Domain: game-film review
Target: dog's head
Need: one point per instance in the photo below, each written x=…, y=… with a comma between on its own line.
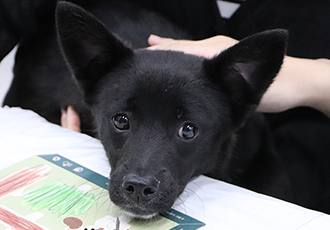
x=163, y=116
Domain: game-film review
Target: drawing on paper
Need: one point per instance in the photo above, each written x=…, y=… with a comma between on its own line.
x=51, y=192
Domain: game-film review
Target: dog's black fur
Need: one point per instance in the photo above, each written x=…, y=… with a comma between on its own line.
x=163, y=117
x=164, y=122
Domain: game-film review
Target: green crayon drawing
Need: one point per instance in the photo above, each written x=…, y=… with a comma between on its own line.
x=60, y=198
x=43, y=192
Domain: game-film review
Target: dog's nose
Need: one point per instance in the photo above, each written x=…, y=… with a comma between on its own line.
x=140, y=189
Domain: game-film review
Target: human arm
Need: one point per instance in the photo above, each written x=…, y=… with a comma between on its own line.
x=300, y=82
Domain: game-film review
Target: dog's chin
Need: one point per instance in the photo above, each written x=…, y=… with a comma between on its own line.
x=136, y=216
x=139, y=212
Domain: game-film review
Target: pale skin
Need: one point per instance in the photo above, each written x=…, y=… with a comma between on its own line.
x=70, y=119
x=300, y=82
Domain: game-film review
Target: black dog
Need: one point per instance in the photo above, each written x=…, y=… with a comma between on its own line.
x=163, y=117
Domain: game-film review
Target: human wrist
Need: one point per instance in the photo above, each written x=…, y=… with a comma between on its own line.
x=319, y=80
x=294, y=86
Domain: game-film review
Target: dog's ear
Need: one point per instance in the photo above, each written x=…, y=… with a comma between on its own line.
x=245, y=71
x=89, y=48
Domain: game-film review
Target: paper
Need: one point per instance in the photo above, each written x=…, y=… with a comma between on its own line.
x=52, y=192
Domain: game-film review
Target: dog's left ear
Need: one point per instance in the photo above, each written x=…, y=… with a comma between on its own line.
x=89, y=48
x=245, y=71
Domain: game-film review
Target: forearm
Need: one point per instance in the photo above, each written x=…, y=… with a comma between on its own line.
x=301, y=82
x=319, y=95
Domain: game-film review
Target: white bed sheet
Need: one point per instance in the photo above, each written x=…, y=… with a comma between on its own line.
x=220, y=205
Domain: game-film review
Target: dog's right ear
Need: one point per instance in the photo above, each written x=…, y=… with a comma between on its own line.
x=89, y=48
x=244, y=71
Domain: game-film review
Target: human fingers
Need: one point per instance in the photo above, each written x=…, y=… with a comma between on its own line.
x=73, y=120
x=206, y=48
x=156, y=40
x=64, y=117
x=70, y=119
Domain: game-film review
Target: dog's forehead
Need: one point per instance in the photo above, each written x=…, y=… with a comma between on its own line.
x=172, y=61
x=156, y=72
x=164, y=83
x=170, y=78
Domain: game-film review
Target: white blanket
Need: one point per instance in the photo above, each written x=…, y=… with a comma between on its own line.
x=220, y=205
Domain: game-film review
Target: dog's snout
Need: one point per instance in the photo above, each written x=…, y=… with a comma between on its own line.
x=140, y=189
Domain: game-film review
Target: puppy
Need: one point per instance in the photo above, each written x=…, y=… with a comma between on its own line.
x=165, y=117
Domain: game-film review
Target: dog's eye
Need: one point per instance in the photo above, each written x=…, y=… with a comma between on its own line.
x=188, y=131
x=121, y=121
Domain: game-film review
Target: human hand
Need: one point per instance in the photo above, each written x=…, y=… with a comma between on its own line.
x=207, y=48
x=70, y=119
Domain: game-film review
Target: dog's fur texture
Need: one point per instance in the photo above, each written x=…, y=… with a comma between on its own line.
x=163, y=117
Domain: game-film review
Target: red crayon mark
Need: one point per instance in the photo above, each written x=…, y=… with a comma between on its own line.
x=21, y=179
x=16, y=222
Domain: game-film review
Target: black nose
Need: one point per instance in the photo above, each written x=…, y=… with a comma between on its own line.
x=140, y=189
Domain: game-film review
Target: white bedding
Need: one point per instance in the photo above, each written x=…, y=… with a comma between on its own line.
x=220, y=205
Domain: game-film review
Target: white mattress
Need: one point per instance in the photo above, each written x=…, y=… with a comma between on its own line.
x=220, y=205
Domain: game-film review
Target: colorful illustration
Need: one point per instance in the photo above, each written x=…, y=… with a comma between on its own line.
x=50, y=192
